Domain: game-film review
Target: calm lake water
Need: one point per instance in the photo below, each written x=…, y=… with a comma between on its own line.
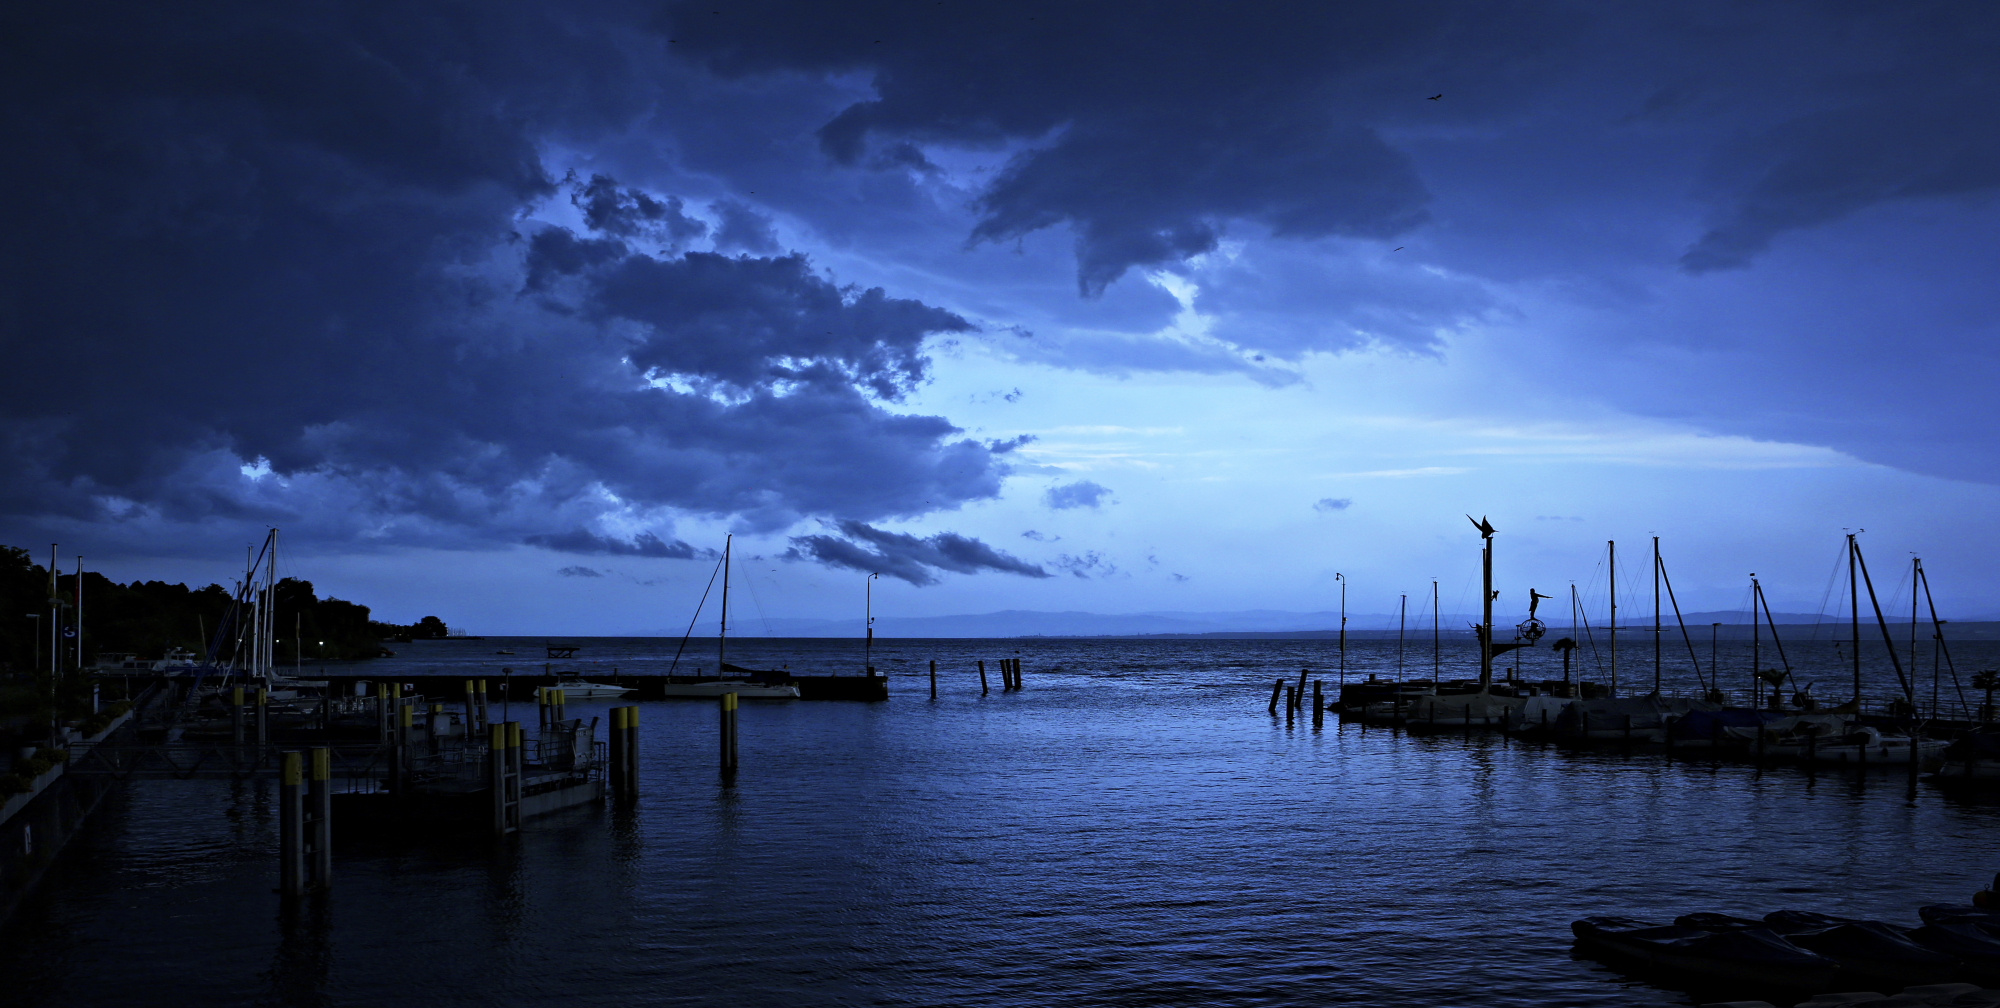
x=1132, y=829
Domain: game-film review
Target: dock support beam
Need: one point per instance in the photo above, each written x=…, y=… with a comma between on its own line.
x=319, y=820
x=504, y=772
x=728, y=733
x=291, y=825
x=624, y=769
x=982, y=676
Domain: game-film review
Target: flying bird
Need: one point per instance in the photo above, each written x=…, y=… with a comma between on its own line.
x=1399, y=248
x=1434, y=97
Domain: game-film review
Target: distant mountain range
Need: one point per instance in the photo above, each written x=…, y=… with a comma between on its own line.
x=1030, y=623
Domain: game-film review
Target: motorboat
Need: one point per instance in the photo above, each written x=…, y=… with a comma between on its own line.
x=578, y=689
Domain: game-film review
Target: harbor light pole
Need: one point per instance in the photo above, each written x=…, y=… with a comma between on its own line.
x=868, y=604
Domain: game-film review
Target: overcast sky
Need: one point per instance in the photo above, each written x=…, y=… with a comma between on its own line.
x=509, y=312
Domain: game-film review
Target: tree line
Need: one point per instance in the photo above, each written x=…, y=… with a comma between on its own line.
x=149, y=618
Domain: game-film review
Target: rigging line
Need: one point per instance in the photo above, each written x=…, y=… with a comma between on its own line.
x=1832, y=583
x=1895, y=660
x=1689, y=641
x=1584, y=615
x=697, y=615
x=1937, y=630
x=1775, y=642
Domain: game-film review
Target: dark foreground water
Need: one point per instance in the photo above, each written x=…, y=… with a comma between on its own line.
x=1133, y=829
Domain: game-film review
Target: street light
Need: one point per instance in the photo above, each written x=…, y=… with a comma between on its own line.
x=868, y=648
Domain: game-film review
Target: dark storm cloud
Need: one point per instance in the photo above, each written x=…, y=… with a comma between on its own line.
x=743, y=229
x=644, y=544
x=1080, y=494
x=913, y=559
x=297, y=239
x=1144, y=134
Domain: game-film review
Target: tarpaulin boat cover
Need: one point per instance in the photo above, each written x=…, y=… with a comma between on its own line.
x=1649, y=711
x=1461, y=705
x=1701, y=724
x=1800, y=725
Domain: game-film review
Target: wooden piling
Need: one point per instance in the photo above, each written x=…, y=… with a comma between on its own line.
x=728, y=734
x=263, y=715
x=236, y=714
x=982, y=676
x=632, y=751
x=1291, y=704
x=1018, y=684
x=1299, y=697
x=933, y=678
x=1319, y=703
x=485, y=715
x=499, y=768
x=382, y=712
x=1277, y=690
x=319, y=820
x=471, y=709
x=615, y=769
x=291, y=825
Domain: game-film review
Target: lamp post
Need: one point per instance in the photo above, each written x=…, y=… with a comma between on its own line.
x=868, y=607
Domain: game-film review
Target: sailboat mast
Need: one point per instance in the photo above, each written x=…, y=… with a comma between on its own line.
x=1854, y=612
x=1756, y=640
x=1402, y=621
x=1574, y=605
x=1611, y=552
x=1656, y=616
x=1342, y=578
x=1437, y=637
x=722, y=630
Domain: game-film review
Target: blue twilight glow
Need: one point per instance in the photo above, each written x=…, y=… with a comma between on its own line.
x=510, y=313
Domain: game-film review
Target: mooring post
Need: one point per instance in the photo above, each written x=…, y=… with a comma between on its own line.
x=933, y=678
x=1291, y=704
x=615, y=770
x=728, y=732
x=632, y=750
x=1018, y=683
x=471, y=709
x=1319, y=702
x=496, y=774
x=485, y=714
x=263, y=715
x=982, y=677
x=319, y=820
x=1277, y=690
x=291, y=825
x=236, y=714
x=382, y=712
x=560, y=711
x=1299, y=697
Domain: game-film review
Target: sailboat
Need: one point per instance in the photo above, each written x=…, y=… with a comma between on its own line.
x=747, y=684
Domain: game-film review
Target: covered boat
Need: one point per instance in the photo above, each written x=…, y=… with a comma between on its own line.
x=1626, y=719
x=1748, y=955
